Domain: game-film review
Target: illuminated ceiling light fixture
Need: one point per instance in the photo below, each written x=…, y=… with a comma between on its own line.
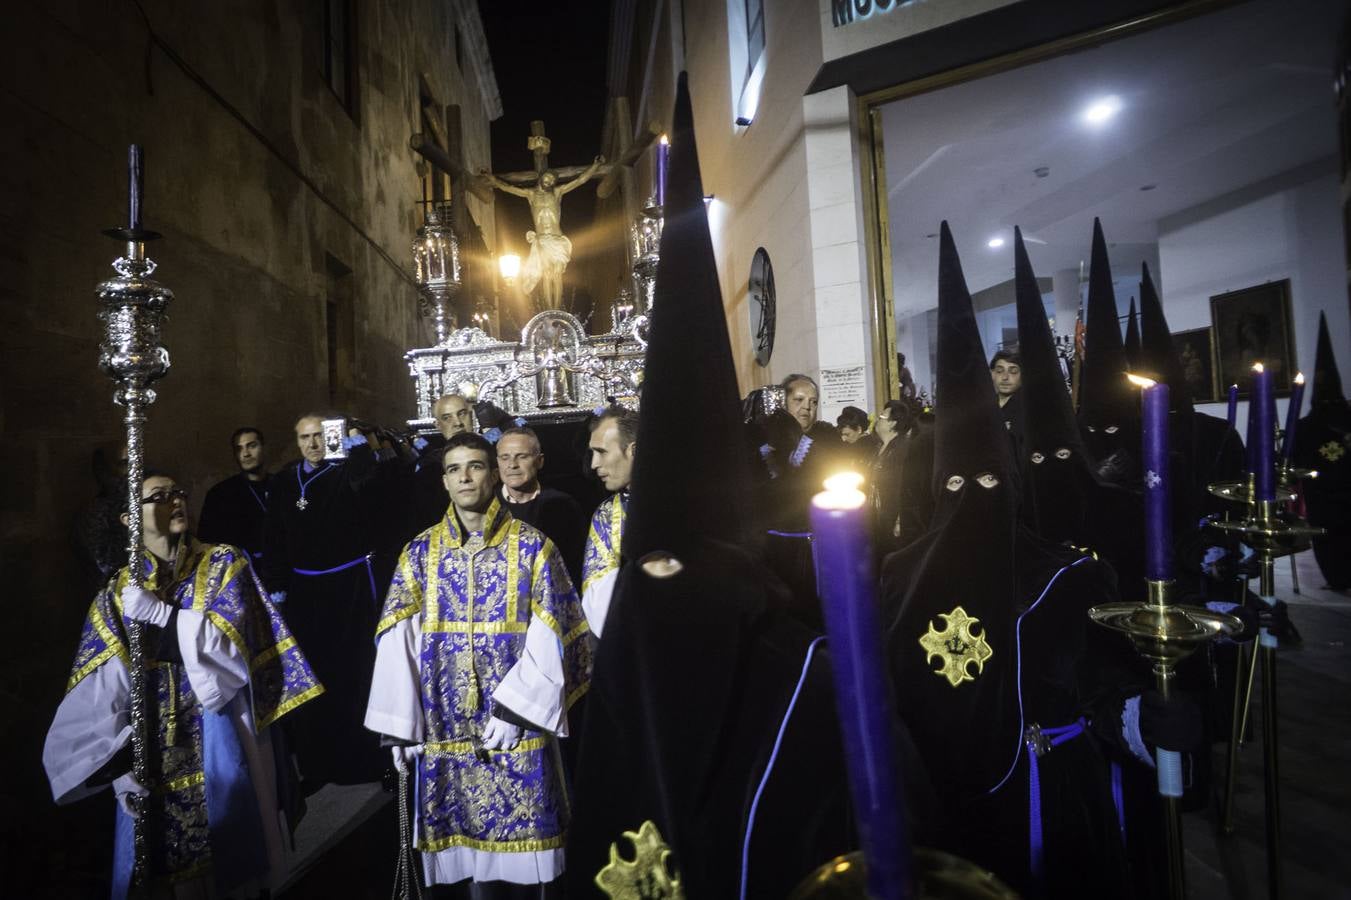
x=995, y=243
x=1100, y=111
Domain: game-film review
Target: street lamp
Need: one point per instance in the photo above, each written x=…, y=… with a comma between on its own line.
x=509, y=265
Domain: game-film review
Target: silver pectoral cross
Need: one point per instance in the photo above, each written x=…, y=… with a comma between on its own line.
x=302, y=503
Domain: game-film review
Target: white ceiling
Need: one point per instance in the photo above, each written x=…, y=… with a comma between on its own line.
x=1209, y=106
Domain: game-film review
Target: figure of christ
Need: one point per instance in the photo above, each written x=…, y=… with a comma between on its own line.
x=550, y=249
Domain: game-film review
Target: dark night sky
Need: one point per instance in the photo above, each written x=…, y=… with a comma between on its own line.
x=549, y=59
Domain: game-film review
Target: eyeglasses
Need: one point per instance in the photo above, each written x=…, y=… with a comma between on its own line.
x=165, y=496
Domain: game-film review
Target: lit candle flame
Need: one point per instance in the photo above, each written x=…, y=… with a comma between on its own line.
x=664, y=139
x=1299, y=378
x=842, y=492
x=1258, y=367
x=1140, y=381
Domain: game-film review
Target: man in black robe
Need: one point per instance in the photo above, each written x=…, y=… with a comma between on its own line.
x=1323, y=442
x=554, y=513
x=1013, y=697
x=1063, y=500
x=697, y=675
x=1109, y=406
x=235, y=510
x=318, y=565
x=1205, y=448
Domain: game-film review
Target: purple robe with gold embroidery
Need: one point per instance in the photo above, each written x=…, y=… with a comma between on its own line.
x=600, y=563
x=473, y=619
x=239, y=670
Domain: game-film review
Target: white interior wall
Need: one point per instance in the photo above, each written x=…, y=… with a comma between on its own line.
x=1289, y=227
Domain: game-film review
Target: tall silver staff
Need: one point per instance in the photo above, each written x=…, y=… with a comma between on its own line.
x=131, y=307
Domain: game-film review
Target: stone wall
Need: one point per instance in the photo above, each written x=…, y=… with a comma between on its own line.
x=278, y=207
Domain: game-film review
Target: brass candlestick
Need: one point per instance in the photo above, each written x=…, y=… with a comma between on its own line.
x=1165, y=633
x=1271, y=535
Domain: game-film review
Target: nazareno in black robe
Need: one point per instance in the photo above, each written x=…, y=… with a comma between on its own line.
x=332, y=615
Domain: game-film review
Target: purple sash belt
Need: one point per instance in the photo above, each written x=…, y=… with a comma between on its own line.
x=360, y=560
x=1041, y=741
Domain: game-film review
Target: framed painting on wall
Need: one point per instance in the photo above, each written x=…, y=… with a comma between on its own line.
x=1196, y=355
x=1253, y=325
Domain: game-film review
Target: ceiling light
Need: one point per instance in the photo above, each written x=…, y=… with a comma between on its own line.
x=1099, y=111
x=995, y=243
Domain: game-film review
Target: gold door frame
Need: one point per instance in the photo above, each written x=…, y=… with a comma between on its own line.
x=876, y=219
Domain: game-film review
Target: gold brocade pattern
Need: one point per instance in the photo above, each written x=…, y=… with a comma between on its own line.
x=476, y=595
x=1332, y=451
x=218, y=583
x=603, y=541
x=648, y=876
x=957, y=647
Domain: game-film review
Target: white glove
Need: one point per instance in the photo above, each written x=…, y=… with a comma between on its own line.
x=143, y=606
x=405, y=758
x=500, y=735
x=125, y=787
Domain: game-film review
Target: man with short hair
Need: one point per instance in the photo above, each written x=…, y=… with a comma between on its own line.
x=420, y=494
x=519, y=461
x=1006, y=371
x=453, y=415
x=894, y=422
x=235, y=509
x=481, y=652
x=220, y=669
x=318, y=562
x=614, y=441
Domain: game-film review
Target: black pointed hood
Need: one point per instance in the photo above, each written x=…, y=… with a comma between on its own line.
x=689, y=460
x=1056, y=470
x=1109, y=409
x=1132, y=338
x=1158, y=357
x=966, y=560
x=1327, y=381
x=695, y=666
x=969, y=437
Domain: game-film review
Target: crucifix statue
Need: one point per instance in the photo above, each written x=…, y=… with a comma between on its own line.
x=550, y=249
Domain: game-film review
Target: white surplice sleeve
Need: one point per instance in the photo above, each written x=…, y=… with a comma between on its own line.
x=596, y=601
x=92, y=723
x=395, y=704
x=534, y=688
x=216, y=668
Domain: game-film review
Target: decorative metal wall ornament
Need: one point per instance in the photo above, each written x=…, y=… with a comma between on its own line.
x=436, y=268
x=132, y=307
x=763, y=307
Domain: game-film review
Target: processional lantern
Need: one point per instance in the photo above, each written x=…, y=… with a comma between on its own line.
x=436, y=268
x=132, y=308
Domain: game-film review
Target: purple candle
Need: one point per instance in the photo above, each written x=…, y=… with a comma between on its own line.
x=1232, y=414
x=1157, y=484
x=663, y=163
x=136, y=172
x=839, y=518
x=1262, y=414
x=1292, y=418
